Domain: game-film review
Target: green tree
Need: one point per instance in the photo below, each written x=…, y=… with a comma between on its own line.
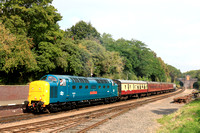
x=36, y=19
x=82, y=30
x=16, y=57
x=174, y=73
x=139, y=60
x=102, y=61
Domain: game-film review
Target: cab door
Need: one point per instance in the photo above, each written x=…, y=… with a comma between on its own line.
x=63, y=90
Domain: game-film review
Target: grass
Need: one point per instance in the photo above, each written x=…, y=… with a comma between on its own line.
x=185, y=120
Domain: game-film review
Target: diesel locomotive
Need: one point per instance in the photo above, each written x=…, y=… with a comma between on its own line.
x=58, y=92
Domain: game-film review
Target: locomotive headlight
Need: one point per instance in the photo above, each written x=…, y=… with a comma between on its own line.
x=32, y=88
x=39, y=88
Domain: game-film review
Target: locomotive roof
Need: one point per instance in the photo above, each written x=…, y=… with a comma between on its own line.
x=79, y=79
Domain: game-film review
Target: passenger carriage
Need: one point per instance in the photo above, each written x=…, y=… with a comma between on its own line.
x=131, y=88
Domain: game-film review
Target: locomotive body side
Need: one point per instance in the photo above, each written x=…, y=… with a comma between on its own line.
x=91, y=89
x=61, y=91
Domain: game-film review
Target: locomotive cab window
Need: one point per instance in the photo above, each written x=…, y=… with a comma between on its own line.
x=62, y=82
x=44, y=78
x=51, y=78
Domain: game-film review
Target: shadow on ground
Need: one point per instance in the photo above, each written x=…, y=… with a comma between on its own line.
x=164, y=111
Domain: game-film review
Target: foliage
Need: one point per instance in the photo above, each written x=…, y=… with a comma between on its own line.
x=139, y=60
x=185, y=120
x=31, y=45
x=102, y=61
x=174, y=73
x=82, y=30
x=15, y=55
x=34, y=18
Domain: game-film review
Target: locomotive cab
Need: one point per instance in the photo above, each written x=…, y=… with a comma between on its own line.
x=38, y=96
x=49, y=89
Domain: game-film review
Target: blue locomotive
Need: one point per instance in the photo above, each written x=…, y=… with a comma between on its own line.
x=53, y=92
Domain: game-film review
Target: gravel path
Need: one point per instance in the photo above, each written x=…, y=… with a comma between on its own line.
x=142, y=119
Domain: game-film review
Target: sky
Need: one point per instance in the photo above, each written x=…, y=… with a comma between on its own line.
x=170, y=28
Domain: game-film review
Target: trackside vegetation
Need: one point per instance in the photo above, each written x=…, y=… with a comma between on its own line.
x=185, y=120
x=32, y=45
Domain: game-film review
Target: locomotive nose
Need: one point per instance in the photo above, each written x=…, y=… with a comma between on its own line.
x=38, y=95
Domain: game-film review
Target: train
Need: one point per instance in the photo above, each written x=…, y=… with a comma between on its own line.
x=59, y=92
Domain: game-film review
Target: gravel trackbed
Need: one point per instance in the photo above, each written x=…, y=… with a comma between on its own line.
x=142, y=119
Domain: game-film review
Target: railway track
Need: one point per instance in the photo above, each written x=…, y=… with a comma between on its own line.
x=84, y=121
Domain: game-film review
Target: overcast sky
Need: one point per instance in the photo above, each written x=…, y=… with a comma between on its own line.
x=171, y=28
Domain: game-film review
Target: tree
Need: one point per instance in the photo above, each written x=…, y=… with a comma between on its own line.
x=101, y=61
x=36, y=19
x=82, y=30
x=16, y=57
x=174, y=73
x=139, y=60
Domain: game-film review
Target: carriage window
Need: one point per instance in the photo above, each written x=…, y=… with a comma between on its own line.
x=86, y=87
x=99, y=87
x=104, y=87
x=73, y=87
x=80, y=87
x=108, y=86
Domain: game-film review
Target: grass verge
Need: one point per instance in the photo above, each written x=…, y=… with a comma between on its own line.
x=185, y=120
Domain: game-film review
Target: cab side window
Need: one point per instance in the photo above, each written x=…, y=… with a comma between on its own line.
x=62, y=82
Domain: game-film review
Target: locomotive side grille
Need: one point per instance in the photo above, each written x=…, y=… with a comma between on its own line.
x=53, y=92
x=79, y=80
x=103, y=81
